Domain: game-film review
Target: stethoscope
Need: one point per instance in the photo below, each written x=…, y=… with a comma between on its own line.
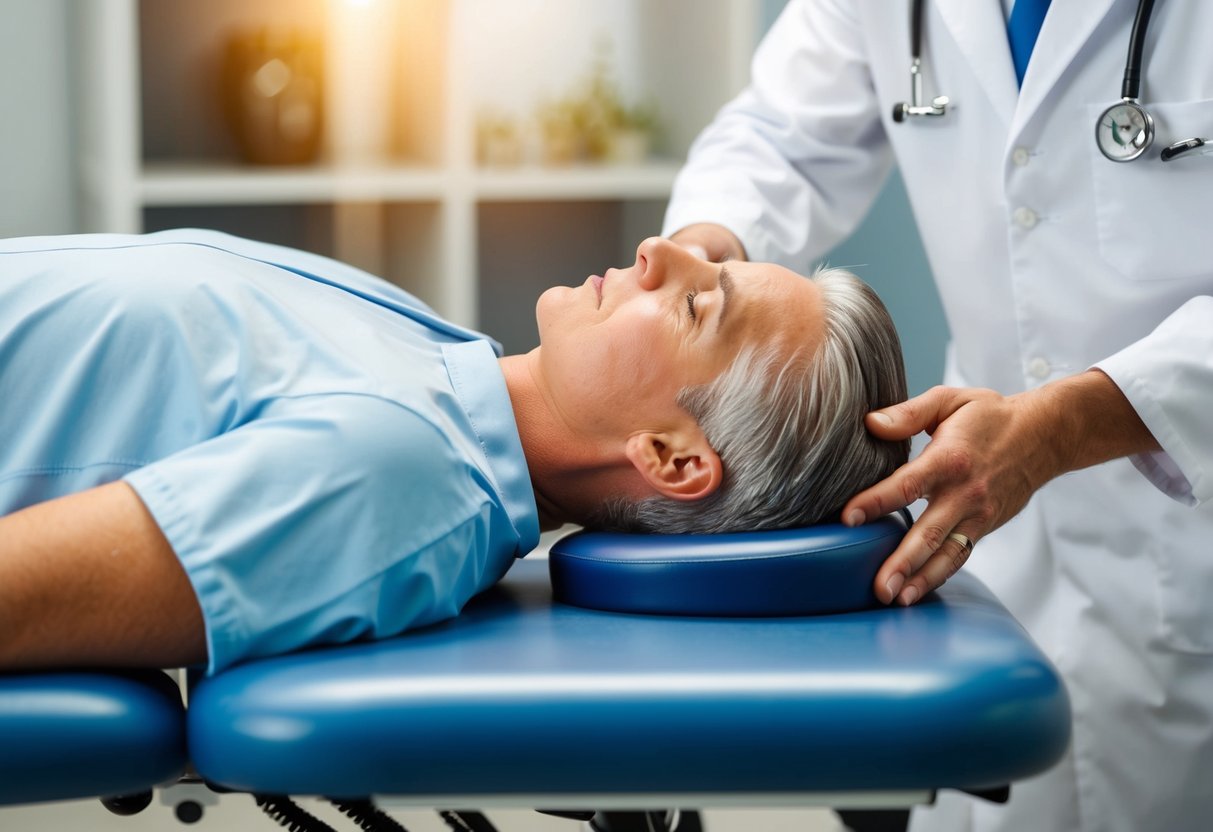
x=1123, y=131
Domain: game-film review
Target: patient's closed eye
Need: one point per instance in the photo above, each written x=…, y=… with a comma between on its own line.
x=691, y=304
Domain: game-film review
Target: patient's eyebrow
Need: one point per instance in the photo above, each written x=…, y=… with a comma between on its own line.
x=726, y=288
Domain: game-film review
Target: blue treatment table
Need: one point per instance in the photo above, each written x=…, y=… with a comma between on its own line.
x=73, y=735
x=523, y=701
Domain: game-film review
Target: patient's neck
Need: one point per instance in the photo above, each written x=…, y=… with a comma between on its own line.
x=570, y=476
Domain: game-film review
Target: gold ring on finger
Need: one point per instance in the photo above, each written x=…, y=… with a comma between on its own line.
x=965, y=542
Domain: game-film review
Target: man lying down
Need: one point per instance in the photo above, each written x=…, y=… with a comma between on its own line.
x=213, y=449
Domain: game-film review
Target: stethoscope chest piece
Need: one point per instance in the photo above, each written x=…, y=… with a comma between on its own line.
x=1124, y=131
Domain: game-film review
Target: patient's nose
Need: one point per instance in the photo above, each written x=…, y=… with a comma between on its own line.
x=658, y=260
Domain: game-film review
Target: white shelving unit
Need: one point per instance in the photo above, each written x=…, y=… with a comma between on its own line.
x=478, y=243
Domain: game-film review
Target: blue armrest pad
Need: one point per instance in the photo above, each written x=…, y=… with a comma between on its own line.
x=73, y=735
x=806, y=571
x=521, y=697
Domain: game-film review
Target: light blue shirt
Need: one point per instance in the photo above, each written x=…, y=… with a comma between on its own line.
x=329, y=459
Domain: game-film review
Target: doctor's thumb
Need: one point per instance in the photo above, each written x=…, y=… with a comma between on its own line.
x=905, y=419
x=884, y=424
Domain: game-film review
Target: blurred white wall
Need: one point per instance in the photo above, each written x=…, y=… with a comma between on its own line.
x=37, y=192
x=36, y=184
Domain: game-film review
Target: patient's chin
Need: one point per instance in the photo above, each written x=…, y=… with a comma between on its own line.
x=549, y=306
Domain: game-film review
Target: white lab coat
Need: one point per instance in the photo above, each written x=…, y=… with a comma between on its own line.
x=1049, y=260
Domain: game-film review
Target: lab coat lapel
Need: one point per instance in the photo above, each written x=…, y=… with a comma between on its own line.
x=980, y=31
x=1066, y=29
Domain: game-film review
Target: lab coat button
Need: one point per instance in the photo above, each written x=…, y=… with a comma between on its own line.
x=1024, y=217
x=1020, y=156
x=1038, y=368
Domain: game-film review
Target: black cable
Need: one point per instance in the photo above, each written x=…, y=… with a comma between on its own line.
x=648, y=821
x=368, y=816
x=285, y=812
x=1137, y=46
x=467, y=821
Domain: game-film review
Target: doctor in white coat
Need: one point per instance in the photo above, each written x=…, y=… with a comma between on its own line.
x=1078, y=288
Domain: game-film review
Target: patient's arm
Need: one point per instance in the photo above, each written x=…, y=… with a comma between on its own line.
x=89, y=579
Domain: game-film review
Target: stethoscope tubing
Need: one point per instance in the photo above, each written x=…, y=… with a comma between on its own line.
x=916, y=29
x=1131, y=88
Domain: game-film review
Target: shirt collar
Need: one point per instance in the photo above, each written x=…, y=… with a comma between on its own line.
x=480, y=387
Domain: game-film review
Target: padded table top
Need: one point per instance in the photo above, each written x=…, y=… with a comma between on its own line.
x=523, y=696
x=88, y=734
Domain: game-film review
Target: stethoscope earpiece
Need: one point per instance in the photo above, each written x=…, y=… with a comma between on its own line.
x=1174, y=151
x=937, y=107
x=915, y=107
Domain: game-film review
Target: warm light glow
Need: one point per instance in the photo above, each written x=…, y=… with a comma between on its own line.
x=360, y=62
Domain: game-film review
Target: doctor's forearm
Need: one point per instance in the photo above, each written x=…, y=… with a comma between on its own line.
x=1086, y=420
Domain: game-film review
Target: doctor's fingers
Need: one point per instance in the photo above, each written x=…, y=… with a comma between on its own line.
x=954, y=460
x=968, y=495
x=936, y=545
x=709, y=241
x=933, y=550
x=924, y=412
x=941, y=469
x=959, y=502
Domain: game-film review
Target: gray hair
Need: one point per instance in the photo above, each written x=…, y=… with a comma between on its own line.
x=790, y=430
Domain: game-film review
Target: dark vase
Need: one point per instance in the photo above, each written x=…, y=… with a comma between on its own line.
x=273, y=94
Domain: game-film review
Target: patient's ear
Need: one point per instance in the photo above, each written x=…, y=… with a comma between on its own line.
x=678, y=466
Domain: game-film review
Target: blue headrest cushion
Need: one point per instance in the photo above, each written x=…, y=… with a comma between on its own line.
x=818, y=569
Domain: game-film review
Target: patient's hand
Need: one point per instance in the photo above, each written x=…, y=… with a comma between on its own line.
x=988, y=454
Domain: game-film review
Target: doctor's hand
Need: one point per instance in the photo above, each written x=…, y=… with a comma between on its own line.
x=710, y=241
x=988, y=454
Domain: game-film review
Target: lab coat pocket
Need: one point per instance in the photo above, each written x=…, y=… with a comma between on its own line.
x=1150, y=213
x=1184, y=580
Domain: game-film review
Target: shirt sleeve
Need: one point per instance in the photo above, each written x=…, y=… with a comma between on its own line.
x=1168, y=378
x=327, y=519
x=792, y=165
